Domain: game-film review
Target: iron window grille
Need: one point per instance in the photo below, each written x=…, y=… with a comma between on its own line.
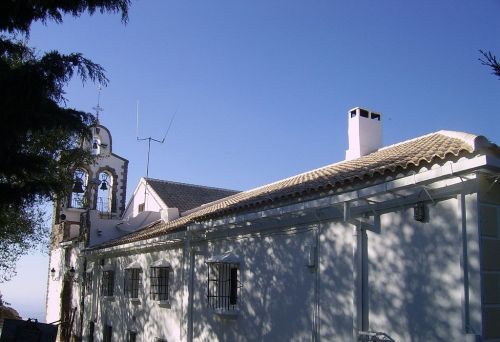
x=91, y=331
x=88, y=282
x=132, y=336
x=159, y=283
x=107, y=333
x=133, y=282
x=223, y=286
x=108, y=283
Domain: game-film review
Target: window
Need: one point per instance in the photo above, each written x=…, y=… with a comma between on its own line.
x=159, y=283
x=108, y=283
x=140, y=207
x=88, y=282
x=96, y=146
x=132, y=282
x=67, y=257
x=223, y=285
x=107, y=333
x=105, y=192
x=132, y=336
x=78, y=193
x=91, y=331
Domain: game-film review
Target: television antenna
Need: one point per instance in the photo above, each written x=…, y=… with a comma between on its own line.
x=150, y=139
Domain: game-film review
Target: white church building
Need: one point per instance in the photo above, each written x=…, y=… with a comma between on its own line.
x=395, y=243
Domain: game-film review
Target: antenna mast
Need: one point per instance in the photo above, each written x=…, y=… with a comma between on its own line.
x=149, y=139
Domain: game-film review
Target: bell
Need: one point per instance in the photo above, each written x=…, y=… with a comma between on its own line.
x=104, y=186
x=78, y=187
x=94, y=145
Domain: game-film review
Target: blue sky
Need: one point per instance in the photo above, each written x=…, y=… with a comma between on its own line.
x=262, y=88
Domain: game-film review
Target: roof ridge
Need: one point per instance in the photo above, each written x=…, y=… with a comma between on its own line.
x=468, y=138
x=416, y=151
x=189, y=184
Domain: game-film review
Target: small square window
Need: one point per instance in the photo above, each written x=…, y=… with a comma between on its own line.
x=223, y=285
x=108, y=283
x=133, y=281
x=159, y=283
x=140, y=207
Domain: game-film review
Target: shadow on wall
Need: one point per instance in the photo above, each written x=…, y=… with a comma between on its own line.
x=141, y=315
x=276, y=300
x=415, y=280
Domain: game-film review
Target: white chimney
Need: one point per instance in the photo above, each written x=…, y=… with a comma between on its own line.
x=365, y=132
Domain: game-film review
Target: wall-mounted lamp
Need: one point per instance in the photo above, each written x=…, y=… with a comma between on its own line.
x=311, y=256
x=419, y=212
x=53, y=274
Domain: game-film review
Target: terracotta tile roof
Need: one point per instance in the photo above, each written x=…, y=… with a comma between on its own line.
x=186, y=196
x=409, y=154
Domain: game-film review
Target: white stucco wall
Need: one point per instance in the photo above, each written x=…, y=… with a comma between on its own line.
x=277, y=294
x=153, y=202
x=414, y=275
x=146, y=317
x=336, y=281
x=414, y=289
x=54, y=286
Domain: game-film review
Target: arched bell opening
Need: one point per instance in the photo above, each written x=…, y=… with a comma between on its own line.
x=105, y=192
x=79, y=190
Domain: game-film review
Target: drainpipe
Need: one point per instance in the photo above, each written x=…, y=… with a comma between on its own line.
x=317, y=257
x=360, y=277
x=82, y=296
x=190, y=255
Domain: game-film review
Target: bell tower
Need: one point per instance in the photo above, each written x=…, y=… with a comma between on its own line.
x=87, y=216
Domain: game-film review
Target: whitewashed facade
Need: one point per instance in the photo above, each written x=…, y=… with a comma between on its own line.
x=88, y=206
x=406, y=249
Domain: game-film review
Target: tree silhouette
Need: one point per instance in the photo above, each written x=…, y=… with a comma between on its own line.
x=490, y=60
x=40, y=135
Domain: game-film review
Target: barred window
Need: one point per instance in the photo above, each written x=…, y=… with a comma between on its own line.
x=107, y=333
x=108, y=283
x=91, y=331
x=133, y=281
x=223, y=285
x=88, y=282
x=159, y=283
x=132, y=336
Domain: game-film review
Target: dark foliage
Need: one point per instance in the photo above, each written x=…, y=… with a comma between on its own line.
x=18, y=15
x=41, y=137
x=490, y=60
